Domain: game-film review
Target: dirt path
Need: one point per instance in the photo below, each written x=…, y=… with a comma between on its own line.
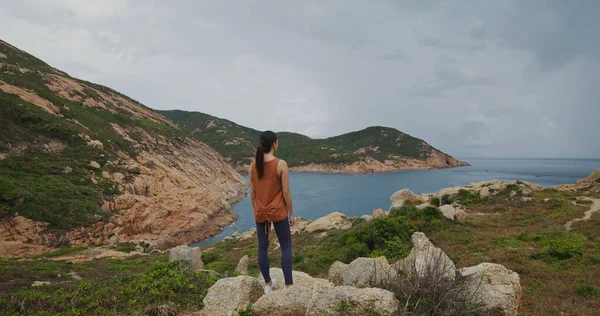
x=595, y=207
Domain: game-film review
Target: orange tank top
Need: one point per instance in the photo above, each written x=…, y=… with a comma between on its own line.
x=269, y=204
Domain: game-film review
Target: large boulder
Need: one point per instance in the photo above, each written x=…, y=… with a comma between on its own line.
x=494, y=288
x=230, y=295
x=485, y=192
x=300, y=279
x=399, y=198
x=426, y=260
x=448, y=193
x=335, y=220
x=362, y=272
x=291, y=301
x=299, y=226
x=448, y=211
x=378, y=213
x=189, y=255
x=345, y=300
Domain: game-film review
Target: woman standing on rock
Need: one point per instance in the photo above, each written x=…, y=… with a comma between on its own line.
x=271, y=202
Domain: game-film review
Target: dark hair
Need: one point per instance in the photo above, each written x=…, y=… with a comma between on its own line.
x=266, y=141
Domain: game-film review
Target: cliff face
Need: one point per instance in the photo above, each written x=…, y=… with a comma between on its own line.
x=80, y=162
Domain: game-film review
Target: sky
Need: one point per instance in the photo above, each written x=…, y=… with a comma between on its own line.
x=505, y=78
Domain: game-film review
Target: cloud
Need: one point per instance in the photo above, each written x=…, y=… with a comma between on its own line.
x=495, y=78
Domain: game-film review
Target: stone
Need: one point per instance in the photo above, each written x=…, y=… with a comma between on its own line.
x=95, y=165
x=362, y=272
x=75, y=276
x=242, y=266
x=527, y=199
x=399, y=198
x=546, y=200
x=450, y=193
x=496, y=289
x=40, y=283
x=335, y=220
x=105, y=175
x=426, y=260
x=485, y=192
x=228, y=238
x=367, y=218
x=345, y=300
x=513, y=193
x=3, y=56
x=68, y=170
x=286, y=302
x=190, y=255
x=299, y=226
x=139, y=248
x=113, y=240
x=95, y=144
x=94, y=181
x=300, y=279
x=230, y=295
x=423, y=206
x=448, y=211
x=118, y=177
x=378, y=213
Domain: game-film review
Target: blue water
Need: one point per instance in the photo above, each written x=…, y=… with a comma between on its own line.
x=315, y=195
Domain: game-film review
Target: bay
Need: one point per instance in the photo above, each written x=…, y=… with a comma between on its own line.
x=315, y=195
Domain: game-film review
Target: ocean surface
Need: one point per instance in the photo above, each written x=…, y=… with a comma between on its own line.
x=315, y=195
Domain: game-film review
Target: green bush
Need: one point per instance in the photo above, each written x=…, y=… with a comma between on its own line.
x=587, y=291
x=557, y=245
x=220, y=266
x=435, y=201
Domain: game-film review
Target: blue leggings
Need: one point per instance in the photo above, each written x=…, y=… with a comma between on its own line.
x=285, y=241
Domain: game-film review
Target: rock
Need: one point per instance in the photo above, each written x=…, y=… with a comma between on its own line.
x=485, y=192
x=378, y=213
x=95, y=144
x=118, y=177
x=105, y=175
x=362, y=272
x=94, y=181
x=367, y=218
x=527, y=199
x=345, y=300
x=423, y=206
x=400, y=197
x=426, y=260
x=496, y=288
x=450, y=193
x=546, y=200
x=301, y=279
x=287, y=302
x=68, y=170
x=113, y=240
x=299, y=226
x=40, y=283
x=513, y=193
x=248, y=235
x=75, y=276
x=448, y=211
x=140, y=249
x=190, y=255
x=3, y=56
x=230, y=295
x=228, y=238
x=335, y=220
x=95, y=165
x=425, y=197
x=242, y=266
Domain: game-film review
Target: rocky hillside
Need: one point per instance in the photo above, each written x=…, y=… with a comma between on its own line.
x=374, y=149
x=81, y=163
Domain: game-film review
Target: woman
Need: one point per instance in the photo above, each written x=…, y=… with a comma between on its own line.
x=272, y=202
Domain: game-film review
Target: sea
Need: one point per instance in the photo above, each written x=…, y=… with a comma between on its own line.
x=315, y=195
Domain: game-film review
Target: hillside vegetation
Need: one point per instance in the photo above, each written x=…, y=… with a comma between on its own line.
x=387, y=146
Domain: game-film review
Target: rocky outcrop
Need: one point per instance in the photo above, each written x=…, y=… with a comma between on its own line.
x=345, y=300
x=362, y=272
x=425, y=259
x=290, y=301
x=335, y=220
x=229, y=296
x=399, y=198
x=494, y=288
x=192, y=256
x=301, y=279
x=590, y=184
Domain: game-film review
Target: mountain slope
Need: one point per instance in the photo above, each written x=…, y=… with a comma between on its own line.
x=80, y=163
x=374, y=149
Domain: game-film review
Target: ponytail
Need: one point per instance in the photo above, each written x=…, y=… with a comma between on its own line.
x=259, y=161
x=266, y=141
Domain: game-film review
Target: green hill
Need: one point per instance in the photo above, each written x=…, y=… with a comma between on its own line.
x=389, y=147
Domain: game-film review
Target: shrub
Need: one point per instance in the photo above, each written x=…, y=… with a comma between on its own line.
x=435, y=201
x=587, y=291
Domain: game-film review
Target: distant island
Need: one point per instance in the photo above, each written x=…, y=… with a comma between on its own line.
x=374, y=149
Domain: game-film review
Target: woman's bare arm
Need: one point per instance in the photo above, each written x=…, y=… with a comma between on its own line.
x=287, y=194
x=252, y=193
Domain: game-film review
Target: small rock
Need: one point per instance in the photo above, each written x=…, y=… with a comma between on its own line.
x=513, y=193
x=230, y=295
x=191, y=255
x=448, y=211
x=40, y=283
x=94, y=181
x=68, y=170
x=527, y=199
x=242, y=266
x=118, y=177
x=423, y=206
x=546, y=200
x=400, y=197
x=105, y=175
x=228, y=238
x=75, y=276
x=95, y=165
x=485, y=192
x=335, y=220
x=378, y=213
x=113, y=240
x=139, y=249
x=367, y=218
x=426, y=260
x=3, y=56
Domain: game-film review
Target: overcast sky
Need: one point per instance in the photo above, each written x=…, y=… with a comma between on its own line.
x=473, y=78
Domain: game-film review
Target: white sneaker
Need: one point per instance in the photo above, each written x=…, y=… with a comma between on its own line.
x=270, y=288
